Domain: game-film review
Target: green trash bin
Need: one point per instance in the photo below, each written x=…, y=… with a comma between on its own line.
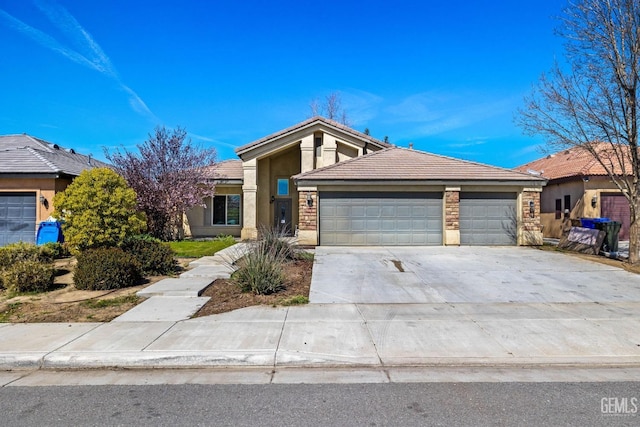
x=612, y=228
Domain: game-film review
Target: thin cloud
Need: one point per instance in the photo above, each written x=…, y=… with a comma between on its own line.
x=433, y=113
x=92, y=56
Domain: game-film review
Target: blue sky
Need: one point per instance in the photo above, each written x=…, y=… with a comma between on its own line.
x=447, y=76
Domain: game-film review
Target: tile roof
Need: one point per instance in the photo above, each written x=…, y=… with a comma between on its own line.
x=308, y=123
x=27, y=154
x=226, y=170
x=402, y=164
x=575, y=162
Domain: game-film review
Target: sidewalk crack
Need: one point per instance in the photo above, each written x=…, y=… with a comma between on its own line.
x=275, y=354
x=375, y=347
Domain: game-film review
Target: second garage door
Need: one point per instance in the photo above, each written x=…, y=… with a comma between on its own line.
x=616, y=208
x=379, y=218
x=17, y=217
x=488, y=218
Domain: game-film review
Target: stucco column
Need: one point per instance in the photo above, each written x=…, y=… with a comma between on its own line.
x=307, y=153
x=452, y=216
x=329, y=148
x=250, y=200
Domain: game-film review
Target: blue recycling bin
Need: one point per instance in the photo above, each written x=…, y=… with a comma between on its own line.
x=49, y=232
x=592, y=222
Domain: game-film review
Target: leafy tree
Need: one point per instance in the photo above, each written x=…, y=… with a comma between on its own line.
x=97, y=209
x=591, y=99
x=169, y=175
x=331, y=108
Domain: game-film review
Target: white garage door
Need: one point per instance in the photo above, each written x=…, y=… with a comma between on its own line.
x=17, y=217
x=488, y=218
x=380, y=218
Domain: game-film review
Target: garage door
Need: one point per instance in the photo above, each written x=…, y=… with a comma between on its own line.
x=379, y=218
x=488, y=218
x=17, y=217
x=616, y=208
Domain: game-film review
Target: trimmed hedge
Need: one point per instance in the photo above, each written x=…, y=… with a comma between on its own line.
x=156, y=258
x=21, y=251
x=106, y=268
x=15, y=261
x=28, y=276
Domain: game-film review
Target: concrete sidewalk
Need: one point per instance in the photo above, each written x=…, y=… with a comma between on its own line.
x=354, y=335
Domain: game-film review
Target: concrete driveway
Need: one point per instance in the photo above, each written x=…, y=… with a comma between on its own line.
x=464, y=275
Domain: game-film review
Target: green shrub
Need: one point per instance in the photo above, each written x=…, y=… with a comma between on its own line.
x=106, y=268
x=28, y=276
x=260, y=270
x=21, y=251
x=55, y=250
x=98, y=209
x=155, y=257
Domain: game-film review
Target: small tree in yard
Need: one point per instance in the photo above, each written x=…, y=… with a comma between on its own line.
x=592, y=102
x=97, y=209
x=169, y=177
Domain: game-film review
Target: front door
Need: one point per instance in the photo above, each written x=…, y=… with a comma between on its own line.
x=282, y=216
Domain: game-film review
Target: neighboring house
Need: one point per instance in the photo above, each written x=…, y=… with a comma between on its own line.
x=578, y=187
x=332, y=185
x=32, y=171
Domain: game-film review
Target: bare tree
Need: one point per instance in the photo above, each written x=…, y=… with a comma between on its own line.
x=169, y=177
x=331, y=108
x=591, y=100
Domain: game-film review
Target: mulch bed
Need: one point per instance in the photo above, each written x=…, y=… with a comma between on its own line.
x=227, y=296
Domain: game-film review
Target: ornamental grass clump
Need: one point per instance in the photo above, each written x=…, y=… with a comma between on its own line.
x=261, y=270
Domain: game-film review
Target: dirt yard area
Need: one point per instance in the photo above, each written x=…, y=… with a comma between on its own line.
x=67, y=304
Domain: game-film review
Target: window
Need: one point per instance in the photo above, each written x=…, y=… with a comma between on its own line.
x=567, y=202
x=226, y=209
x=558, y=208
x=317, y=143
x=283, y=187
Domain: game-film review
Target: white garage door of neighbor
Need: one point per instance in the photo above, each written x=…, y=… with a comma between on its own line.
x=380, y=218
x=488, y=218
x=17, y=217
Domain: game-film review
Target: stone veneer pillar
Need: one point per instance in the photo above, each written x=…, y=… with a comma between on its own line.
x=530, y=230
x=452, y=216
x=307, y=218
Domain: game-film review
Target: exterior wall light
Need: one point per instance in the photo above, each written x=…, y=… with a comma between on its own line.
x=594, y=201
x=43, y=200
x=309, y=199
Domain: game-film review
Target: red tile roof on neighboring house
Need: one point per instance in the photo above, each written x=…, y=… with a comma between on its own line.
x=401, y=164
x=307, y=123
x=576, y=162
x=227, y=170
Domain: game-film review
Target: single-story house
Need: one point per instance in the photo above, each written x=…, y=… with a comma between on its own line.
x=332, y=185
x=578, y=187
x=32, y=171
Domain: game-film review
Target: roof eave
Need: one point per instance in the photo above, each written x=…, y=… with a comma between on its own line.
x=431, y=182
